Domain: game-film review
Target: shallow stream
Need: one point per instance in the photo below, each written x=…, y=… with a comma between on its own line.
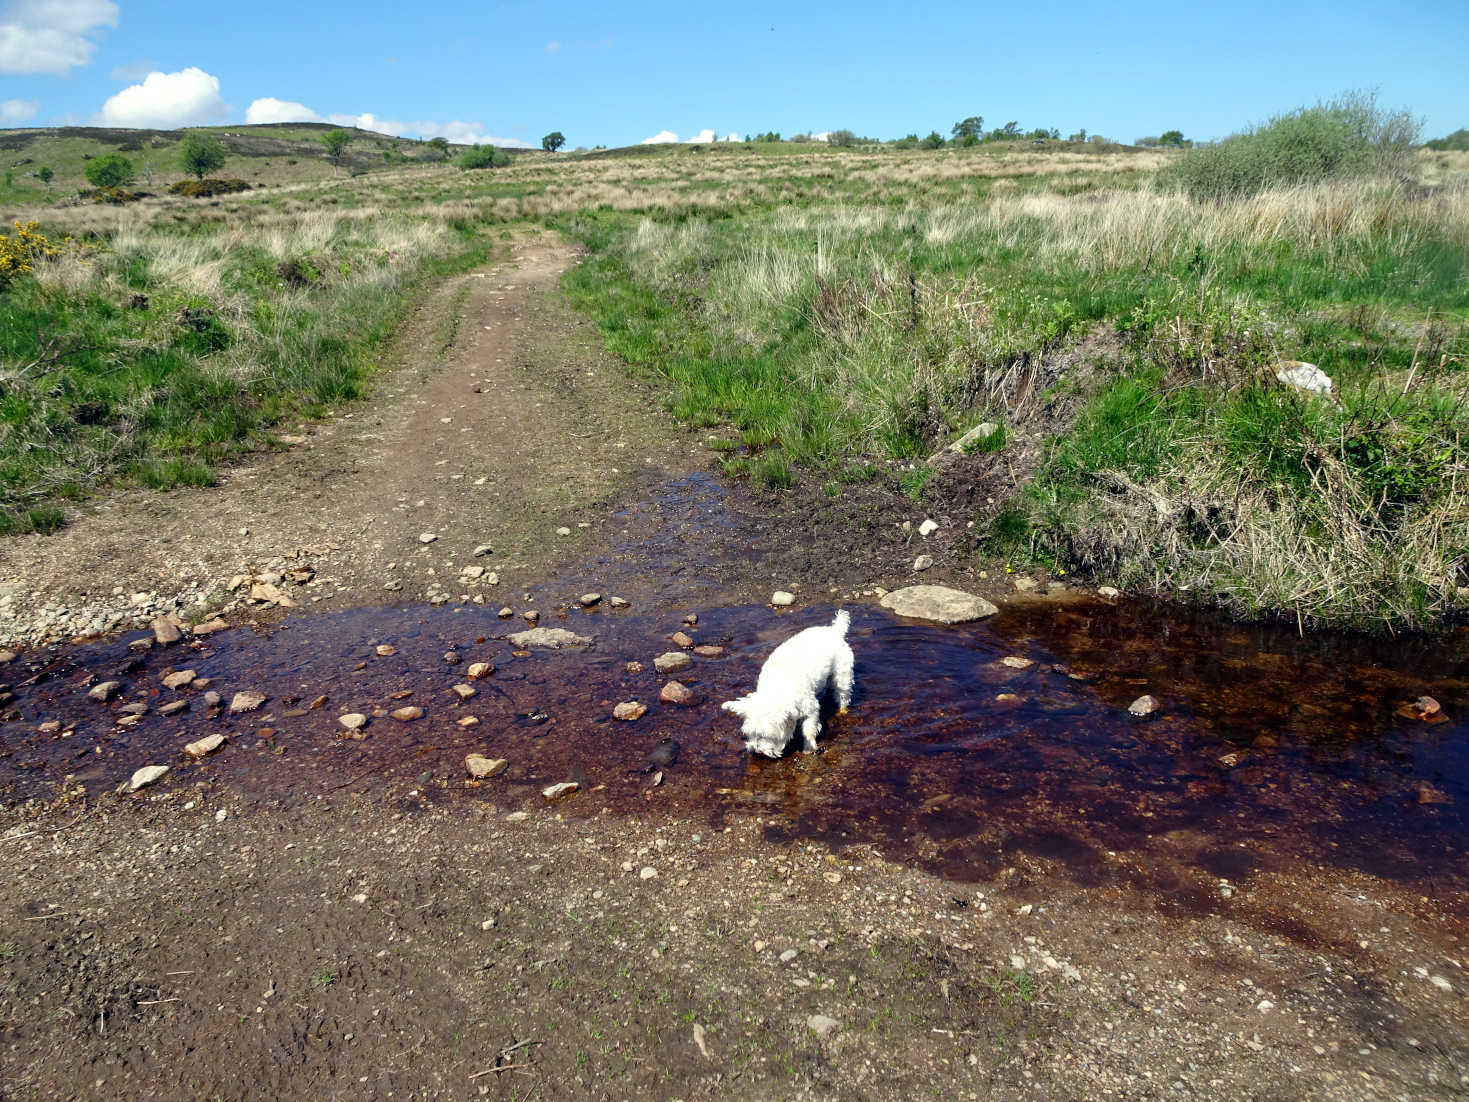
x=1267, y=747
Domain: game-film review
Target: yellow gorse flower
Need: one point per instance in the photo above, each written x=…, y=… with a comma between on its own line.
x=17, y=250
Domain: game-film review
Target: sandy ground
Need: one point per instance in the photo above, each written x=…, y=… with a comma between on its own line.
x=443, y=940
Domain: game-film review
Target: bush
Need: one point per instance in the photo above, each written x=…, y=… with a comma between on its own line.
x=483, y=156
x=935, y=140
x=115, y=195
x=203, y=189
x=17, y=250
x=1346, y=136
x=1457, y=141
x=110, y=171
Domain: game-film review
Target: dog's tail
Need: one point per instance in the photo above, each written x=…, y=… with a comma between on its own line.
x=842, y=621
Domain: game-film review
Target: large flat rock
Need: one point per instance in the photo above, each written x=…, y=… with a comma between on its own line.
x=938, y=603
x=550, y=638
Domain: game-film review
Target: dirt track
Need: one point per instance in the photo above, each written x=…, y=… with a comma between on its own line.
x=397, y=939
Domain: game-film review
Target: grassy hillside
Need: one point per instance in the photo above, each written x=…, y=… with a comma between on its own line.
x=269, y=155
x=837, y=315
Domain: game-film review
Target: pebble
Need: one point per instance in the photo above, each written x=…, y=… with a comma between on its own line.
x=221, y=815
x=557, y=791
x=681, y=639
x=517, y=817
x=672, y=662
x=464, y=692
x=820, y=1024
x=928, y=528
x=482, y=550
x=477, y=671
x=206, y=745
x=617, y=602
x=211, y=700
x=647, y=872
x=353, y=721
x=407, y=714
x=173, y=707
x=481, y=767
x=629, y=710
x=427, y=538
x=531, y=616
x=451, y=657
x=634, y=667
x=246, y=701
x=468, y=721
x=563, y=531
x=104, y=692
x=923, y=562
x=676, y=692
x=147, y=775
x=6, y=656
x=1017, y=663
x=166, y=631
x=1110, y=592
x=472, y=573
x=781, y=599
x=386, y=650
x=178, y=679
x=708, y=650
x=788, y=956
x=1144, y=706
x=590, y=600
x=1024, y=585
x=505, y=613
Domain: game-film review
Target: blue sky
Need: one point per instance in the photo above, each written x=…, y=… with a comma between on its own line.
x=615, y=74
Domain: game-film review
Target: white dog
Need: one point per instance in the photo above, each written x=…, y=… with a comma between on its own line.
x=790, y=685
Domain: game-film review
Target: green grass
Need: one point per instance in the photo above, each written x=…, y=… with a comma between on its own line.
x=834, y=315
x=94, y=390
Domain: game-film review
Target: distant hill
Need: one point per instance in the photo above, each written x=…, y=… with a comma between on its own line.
x=270, y=154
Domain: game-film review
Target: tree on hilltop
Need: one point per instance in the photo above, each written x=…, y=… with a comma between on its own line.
x=336, y=144
x=972, y=127
x=935, y=140
x=440, y=146
x=1172, y=138
x=199, y=154
x=553, y=141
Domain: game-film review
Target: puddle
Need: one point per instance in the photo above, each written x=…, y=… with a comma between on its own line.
x=1267, y=748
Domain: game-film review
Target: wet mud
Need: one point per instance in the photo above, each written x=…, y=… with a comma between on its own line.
x=1266, y=748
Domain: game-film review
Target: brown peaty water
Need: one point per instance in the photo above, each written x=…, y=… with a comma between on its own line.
x=1266, y=747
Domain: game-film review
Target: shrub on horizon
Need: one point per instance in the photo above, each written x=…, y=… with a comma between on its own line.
x=1346, y=136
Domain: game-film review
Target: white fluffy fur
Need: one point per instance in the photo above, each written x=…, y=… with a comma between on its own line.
x=790, y=687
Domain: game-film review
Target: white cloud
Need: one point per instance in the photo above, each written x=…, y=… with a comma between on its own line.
x=167, y=100
x=51, y=36
x=18, y=110
x=731, y=137
x=554, y=47
x=705, y=135
x=270, y=109
x=663, y=137
x=823, y=136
